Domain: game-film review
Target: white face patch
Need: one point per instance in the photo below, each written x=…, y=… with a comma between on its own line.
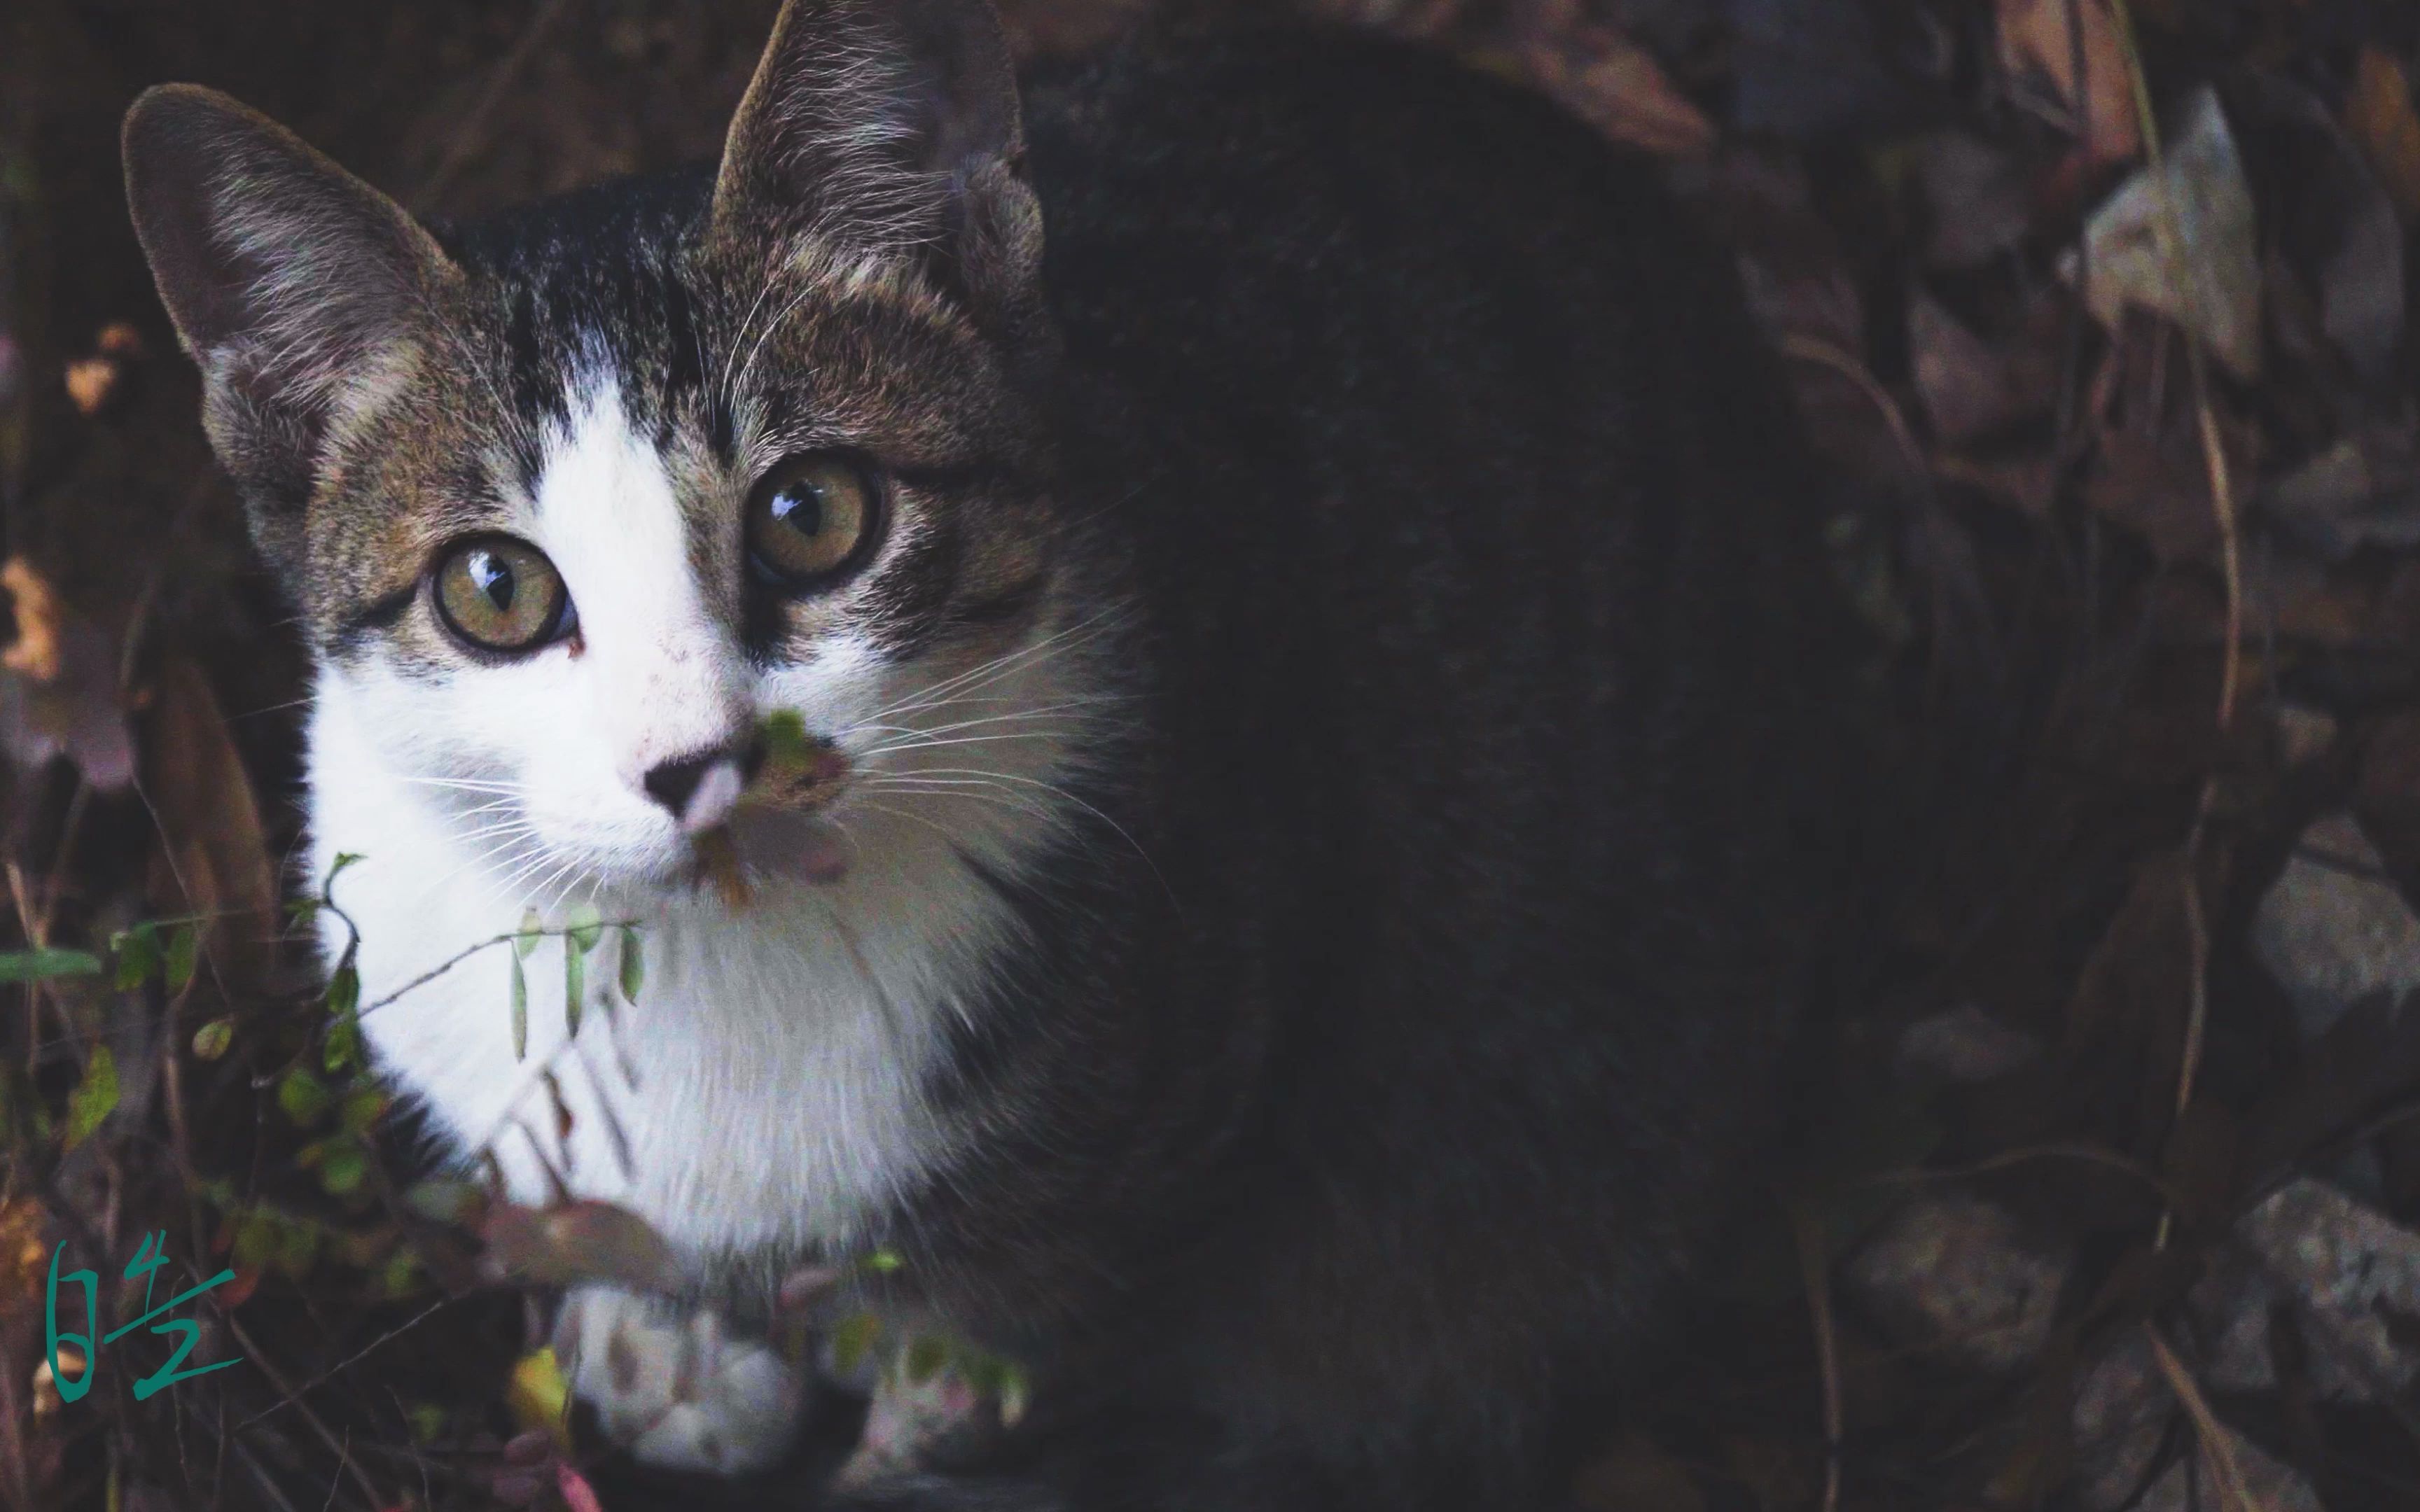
x=765, y=1087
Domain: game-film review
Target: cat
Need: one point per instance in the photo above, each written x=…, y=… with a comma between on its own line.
x=1285, y=604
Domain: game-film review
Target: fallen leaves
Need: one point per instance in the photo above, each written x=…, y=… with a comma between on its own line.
x=59, y=685
x=2207, y=277
x=2379, y=116
x=579, y=1241
x=2086, y=73
x=1611, y=83
x=214, y=867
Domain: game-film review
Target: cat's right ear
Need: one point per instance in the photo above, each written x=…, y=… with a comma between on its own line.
x=889, y=127
x=303, y=293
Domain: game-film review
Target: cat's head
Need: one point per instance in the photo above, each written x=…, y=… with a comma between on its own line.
x=572, y=500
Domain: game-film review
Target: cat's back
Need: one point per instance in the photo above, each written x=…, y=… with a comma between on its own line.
x=1492, y=650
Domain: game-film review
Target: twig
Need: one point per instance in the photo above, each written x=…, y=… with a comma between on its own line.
x=2076, y=1150
x=2169, y=229
x=1816, y=1275
x=2217, y=1444
x=1824, y=354
x=473, y=124
x=468, y=951
x=347, y=1364
x=259, y=1359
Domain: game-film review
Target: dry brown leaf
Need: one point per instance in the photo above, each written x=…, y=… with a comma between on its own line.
x=2035, y=41
x=2377, y=116
x=216, y=857
x=92, y=382
x=60, y=686
x=577, y=1242
x=1972, y=388
x=36, y=650
x=2210, y=281
x=1612, y=82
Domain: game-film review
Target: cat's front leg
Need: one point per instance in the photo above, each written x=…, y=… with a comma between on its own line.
x=676, y=1387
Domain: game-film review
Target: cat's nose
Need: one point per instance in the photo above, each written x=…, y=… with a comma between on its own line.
x=700, y=789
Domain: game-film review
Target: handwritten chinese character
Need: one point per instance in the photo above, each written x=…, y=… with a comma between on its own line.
x=148, y=1257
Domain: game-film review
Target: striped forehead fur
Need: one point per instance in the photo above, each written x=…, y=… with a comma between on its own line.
x=727, y=353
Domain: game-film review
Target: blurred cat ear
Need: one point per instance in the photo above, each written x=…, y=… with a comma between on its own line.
x=298, y=289
x=888, y=127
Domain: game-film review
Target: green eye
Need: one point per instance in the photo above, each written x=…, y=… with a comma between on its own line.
x=808, y=518
x=502, y=594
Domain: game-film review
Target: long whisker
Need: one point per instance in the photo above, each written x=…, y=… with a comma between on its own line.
x=1064, y=794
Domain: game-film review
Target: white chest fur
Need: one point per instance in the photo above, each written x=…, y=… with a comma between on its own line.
x=763, y=1088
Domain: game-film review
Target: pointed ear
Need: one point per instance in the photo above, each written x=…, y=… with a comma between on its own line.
x=300, y=290
x=888, y=126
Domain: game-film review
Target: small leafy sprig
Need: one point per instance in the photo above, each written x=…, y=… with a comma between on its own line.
x=581, y=934
x=167, y=948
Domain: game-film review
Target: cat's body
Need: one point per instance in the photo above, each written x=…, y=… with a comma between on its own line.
x=1334, y=710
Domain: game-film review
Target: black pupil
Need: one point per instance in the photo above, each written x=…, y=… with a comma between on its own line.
x=493, y=576
x=801, y=506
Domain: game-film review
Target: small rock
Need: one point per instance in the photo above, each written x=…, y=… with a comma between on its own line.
x=1964, y=1044
x=2189, y=1486
x=2333, y=929
x=2122, y=1417
x=2350, y=1274
x=1956, y=1273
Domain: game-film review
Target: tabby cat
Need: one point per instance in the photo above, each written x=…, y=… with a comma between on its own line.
x=1205, y=695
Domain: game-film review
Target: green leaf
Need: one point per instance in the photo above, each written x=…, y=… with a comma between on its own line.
x=584, y=928
x=531, y=931
x=176, y=972
x=361, y=1108
x=400, y=1275
x=337, y=869
x=302, y=910
x=298, y=1247
x=256, y=1238
x=305, y=1097
x=428, y=1422
x=785, y=733
x=853, y=1339
x=94, y=1096
x=211, y=1039
x=138, y=952
x=344, y=1169
x=575, y=988
x=925, y=1358
x=884, y=1261
x=342, y=1052
x=344, y=1047
x=45, y=966
x=520, y=1011
x=634, y=965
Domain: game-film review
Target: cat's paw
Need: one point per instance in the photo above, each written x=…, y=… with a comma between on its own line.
x=678, y=1389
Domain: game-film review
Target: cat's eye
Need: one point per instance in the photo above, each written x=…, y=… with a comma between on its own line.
x=809, y=519
x=502, y=594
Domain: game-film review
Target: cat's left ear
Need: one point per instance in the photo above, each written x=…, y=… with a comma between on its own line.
x=889, y=127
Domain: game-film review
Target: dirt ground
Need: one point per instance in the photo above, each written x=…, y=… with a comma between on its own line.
x=2112, y=1193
